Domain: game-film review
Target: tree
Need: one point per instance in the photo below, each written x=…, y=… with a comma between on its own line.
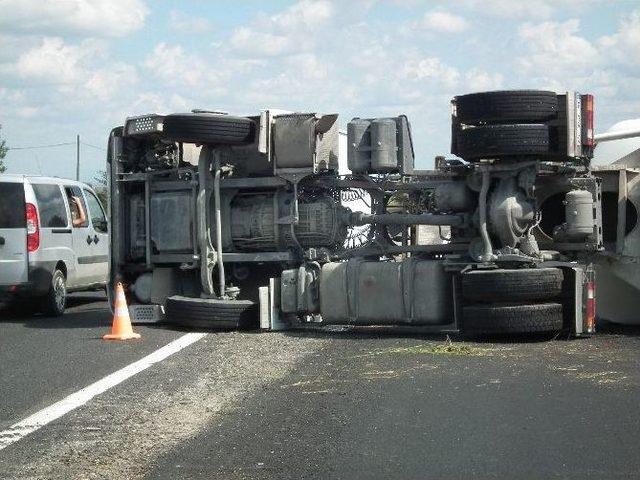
x=3, y=153
x=101, y=186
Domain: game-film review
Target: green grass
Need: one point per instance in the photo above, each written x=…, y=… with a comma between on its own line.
x=446, y=348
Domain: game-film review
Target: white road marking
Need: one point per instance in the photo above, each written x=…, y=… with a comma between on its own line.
x=79, y=398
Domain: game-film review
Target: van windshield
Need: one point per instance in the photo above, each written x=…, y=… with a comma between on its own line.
x=12, y=213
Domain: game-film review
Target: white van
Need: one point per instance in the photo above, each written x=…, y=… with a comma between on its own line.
x=53, y=240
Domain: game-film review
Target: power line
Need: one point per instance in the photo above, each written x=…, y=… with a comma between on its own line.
x=31, y=147
x=41, y=146
x=93, y=146
x=77, y=143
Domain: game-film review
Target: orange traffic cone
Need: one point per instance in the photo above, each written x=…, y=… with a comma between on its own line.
x=121, y=329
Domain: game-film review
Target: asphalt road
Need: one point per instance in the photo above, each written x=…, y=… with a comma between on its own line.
x=44, y=359
x=366, y=404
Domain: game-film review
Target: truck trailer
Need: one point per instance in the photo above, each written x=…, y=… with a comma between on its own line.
x=222, y=221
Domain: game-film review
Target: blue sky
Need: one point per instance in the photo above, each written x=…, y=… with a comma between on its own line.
x=72, y=67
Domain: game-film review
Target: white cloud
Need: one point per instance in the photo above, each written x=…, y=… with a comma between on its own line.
x=148, y=102
x=556, y=56
x=309, y=66
x=256, y=43
x=306, y=14
x=211, y=75
x=445, y=22
x=188, y=24
x=54, y=62
x=76, y=71
x=95, y=18
x=11, y=46
x=174, y=66
x=624, y=45
x=527, y=10
x=10, y=95
x=511, y=9
x=290, y=31
x=554, y=48
x=106, y=83
x=27, y=112
x=61, y=66
x=476, y=80
x=430, y=68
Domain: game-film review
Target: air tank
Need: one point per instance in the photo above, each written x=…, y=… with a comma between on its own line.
x=578, y=207
x=384, y=150
x=359, y=145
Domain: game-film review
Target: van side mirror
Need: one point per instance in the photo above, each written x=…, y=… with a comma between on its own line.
x=101, y=225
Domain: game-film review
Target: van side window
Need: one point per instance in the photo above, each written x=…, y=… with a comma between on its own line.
x=96, y=213
x=78, y=207
x=51, y=207
x=12, y=214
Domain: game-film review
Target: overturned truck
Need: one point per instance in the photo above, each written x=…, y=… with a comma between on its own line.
x=223, y=221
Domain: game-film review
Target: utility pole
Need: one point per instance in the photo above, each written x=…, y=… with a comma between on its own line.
x=77, y=157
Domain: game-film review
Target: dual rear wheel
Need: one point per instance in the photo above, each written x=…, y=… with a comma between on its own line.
x=509, y=123
x=508, y=301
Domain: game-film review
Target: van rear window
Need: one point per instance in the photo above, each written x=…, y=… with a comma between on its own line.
x=12, y=213
x=53, y=212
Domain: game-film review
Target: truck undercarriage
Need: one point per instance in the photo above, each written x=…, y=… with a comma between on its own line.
x=218, y=221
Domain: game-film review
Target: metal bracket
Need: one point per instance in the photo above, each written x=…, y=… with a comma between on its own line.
x=270, y=314
x=208, y=258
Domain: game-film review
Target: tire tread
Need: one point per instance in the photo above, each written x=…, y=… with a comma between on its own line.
x=512, y=285
x=507, y=106
x=220, y=314
x=206, y=128
x=495, y=141
x=512, y=318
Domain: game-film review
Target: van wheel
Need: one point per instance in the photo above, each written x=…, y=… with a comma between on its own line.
x=56, y=300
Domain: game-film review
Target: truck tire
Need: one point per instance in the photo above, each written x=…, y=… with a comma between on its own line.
x=508, y=318
x=496, y=141
x=211, y=313
x=208, y=129
x=513, y=285
x=55, y=301
x=508, y=106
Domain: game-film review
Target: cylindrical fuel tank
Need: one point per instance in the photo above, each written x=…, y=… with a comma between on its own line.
x=359, y=145
x=255, y=226
x=578, y=214
x=413, y=291
x=384, y=150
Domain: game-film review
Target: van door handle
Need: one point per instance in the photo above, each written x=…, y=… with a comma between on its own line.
x=89, y=240
x=96, y=239
x=1, y=240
